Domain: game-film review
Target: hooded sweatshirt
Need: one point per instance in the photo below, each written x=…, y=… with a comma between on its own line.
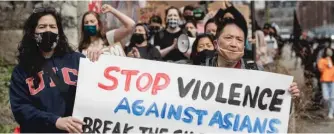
x=37, y=109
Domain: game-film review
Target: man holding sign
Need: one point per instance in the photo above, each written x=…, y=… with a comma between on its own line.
x=230, y=46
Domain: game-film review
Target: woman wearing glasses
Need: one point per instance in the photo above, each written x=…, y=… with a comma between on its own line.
x=94, y=41
x=43, y=84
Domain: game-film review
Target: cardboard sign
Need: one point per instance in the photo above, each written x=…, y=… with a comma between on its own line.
x=152, y=8
x=128, y=95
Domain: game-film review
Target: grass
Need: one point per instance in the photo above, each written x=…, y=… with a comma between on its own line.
x=7, y=122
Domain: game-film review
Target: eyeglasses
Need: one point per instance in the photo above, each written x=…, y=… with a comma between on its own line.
x=44, y=9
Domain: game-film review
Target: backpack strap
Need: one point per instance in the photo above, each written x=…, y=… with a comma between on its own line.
x=60, y=84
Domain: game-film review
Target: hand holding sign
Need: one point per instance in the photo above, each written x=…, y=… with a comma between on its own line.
x=135, y=52
x=69, y=124
x=93, y=54
x=295, y=92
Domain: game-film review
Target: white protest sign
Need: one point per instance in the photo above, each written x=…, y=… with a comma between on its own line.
x=128, y=95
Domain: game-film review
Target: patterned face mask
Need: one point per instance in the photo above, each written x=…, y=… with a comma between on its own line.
x=173, y=23
x=46, y=41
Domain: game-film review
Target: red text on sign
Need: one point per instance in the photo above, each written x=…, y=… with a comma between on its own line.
x=159, y=82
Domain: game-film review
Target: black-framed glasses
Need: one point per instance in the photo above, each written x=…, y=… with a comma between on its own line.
x=44, y=9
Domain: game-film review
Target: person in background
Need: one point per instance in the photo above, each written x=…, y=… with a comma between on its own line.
x=230, y=47
x=199, y=15
x=139, y=46
x=262, y=57
x=202, y=49
x=38, y=104
x=93, y=40
x=270, y=40
x=325, y=66
x=274, y=31
x=190, y=27
x=188, y=13
x=155, y=26
x=211, y=27
x=166, y=42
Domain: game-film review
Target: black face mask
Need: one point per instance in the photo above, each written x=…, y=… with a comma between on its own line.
x=137, y=38
x=46, y=41
x=201, y=57
x=154, y=29
x=188, y=18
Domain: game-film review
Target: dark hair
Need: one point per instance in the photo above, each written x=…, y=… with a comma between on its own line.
x=239, y=19
x=155, y=19
x=172, y=7
x=324, y=54
x=188, y=7
x=266, y=26
x=147, y=30
x=84, y=39
x=275, y=31
x=227, y=21
x=212, y=20
x=195, y=44
x=191, y=21
x=29, y=56
x=131, y=45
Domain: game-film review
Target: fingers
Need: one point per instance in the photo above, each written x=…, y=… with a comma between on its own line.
x=135, y=50
x=77, y=126
x=94, y=54
x=71, y=128
x=293, y=84
x=90, y=55
x=228, y=4
x=294, y=91
x=105, y=8
x=78, y=121
x=130, y=54
x=175, y=41
x=68, y=129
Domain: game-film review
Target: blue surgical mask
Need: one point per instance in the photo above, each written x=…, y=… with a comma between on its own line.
x=90, y=30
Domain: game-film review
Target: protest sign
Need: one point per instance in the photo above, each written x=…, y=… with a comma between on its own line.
x=128, y=95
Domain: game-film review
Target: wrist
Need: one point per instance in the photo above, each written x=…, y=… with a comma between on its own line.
x=111, y=10
x=54, y=120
